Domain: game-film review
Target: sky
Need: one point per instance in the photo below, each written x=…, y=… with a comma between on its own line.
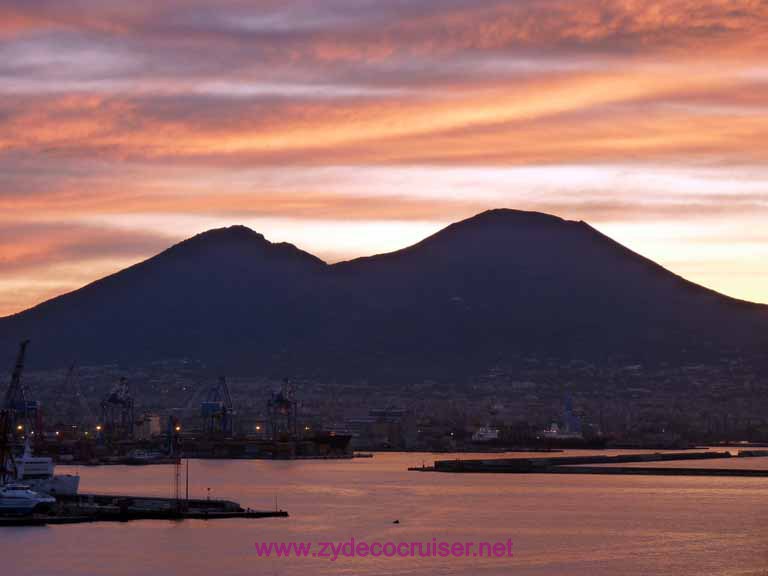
x=357, y=127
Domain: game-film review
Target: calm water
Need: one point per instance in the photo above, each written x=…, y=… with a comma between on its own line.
x=583, y=525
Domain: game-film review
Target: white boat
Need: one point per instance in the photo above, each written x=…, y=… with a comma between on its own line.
x=485, y=434
x=139, y=456
x=21, y=499
x=38, y=473
x=554, y=432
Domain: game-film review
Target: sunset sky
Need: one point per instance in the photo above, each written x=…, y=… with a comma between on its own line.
x=356, y=127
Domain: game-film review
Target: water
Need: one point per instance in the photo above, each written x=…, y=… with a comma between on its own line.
x=582, y=525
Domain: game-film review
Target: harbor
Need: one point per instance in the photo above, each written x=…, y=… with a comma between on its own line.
x=333, y=499
x=31, y=494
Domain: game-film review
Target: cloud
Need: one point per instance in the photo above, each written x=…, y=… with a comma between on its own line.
x=309, y=27
x=28, y=246
x=402, y=115
x=41, y=260
x=595, y=116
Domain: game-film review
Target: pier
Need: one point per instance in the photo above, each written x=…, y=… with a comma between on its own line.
x=114, y=508
x=597, y=465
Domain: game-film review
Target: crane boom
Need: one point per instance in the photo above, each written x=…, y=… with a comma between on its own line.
x=217, y=410
x=13, y=397
x=15, y=393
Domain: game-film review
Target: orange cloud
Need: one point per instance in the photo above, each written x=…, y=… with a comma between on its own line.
x=304, y=131
x=114, y=112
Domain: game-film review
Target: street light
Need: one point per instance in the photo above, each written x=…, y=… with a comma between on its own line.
x=98, y=428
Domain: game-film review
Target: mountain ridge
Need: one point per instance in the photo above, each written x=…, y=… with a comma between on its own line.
x=493, y=287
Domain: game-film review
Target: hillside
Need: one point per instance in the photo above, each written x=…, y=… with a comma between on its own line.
x=483, y=291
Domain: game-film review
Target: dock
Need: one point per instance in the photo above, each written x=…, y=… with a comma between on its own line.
x=84, y=508
x=596, y=465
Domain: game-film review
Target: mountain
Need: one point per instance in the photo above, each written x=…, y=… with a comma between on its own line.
x=483, y=291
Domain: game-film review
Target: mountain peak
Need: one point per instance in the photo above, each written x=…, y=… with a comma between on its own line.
x=243, y=241
x=491, y=229
x=232, y=246
x=501, y=222
x=237, y=232
x=511, y=216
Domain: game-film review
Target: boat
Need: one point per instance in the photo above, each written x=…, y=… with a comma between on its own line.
x=20, y=499
x=139, y=456
x=38, y=473
x=554, y=432
x=485, y=434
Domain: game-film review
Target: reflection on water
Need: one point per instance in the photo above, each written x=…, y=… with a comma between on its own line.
x=583, y=525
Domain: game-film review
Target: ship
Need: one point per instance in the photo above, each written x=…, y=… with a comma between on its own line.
x=38, y=473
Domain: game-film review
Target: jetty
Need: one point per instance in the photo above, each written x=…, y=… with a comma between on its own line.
x=600, y=464
x=114, y=508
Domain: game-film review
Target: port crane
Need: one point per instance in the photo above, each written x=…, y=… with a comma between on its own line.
x=117, y=412
x=13, y=400
x=71, y=404
x=26, y=412
x=282, y=408
x=218, y=411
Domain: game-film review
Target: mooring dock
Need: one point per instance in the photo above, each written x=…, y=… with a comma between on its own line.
x=114, y=508
x=597, y=465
